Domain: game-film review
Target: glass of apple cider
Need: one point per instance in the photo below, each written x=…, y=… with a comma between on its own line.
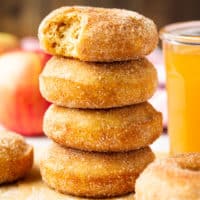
x=181, y=48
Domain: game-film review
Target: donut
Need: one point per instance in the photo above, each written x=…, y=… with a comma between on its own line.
x=92, y=174
x=110, y=130
x=75, y=84
x=16, y=157
x=97, y=34
x=177, y=178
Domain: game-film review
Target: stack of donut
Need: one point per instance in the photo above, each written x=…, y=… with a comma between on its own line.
x=99, y=82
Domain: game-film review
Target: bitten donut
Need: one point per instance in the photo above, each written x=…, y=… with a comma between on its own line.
x=117, y=129
x=75, y=84
x=16, y=157
x=97, y=34
x=176, y=178
x=92, y=174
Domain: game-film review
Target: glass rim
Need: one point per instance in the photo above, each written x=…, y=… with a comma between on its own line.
x=169, y=32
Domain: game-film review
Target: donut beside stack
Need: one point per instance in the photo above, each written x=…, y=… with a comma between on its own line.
x=176, y=177
x=16, y=157
x=99, y=83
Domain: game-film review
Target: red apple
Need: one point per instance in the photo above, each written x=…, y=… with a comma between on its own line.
x=8, y=42
x=21, y=104
x=32, y=44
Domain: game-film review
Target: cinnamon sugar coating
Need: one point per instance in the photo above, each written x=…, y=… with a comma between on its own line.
x=177, y=178
x=93, y=174
x=118, y=129
x=97, y=34
x=16, y=157
x=75, y=84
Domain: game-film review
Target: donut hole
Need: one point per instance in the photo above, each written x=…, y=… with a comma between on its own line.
x=63, y=34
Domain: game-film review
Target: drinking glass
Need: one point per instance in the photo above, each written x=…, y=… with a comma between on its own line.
x=181, y=48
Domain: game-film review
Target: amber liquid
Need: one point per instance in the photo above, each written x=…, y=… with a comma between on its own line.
x=183, y=86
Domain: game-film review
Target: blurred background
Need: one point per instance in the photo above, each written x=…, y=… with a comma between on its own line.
x=23, y=17
x=21, y=105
